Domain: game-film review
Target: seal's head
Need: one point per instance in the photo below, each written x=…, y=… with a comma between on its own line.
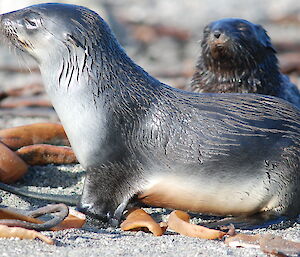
x=232, y=43
x=41, y=30
x=237, y=57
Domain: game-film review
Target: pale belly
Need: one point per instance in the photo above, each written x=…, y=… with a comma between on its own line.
x=208, y=197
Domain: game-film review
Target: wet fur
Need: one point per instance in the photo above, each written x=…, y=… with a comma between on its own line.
x=246, y=62
x=131, y=132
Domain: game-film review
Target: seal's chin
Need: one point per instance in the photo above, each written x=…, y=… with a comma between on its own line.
x=13, y=41
x=22, y=47
x=217, y=51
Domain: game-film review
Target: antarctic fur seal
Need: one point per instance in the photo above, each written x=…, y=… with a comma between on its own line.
x=139, y=139
x=238, y=57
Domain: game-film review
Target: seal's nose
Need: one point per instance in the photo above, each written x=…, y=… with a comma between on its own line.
x=4, y=17
x=217, y=33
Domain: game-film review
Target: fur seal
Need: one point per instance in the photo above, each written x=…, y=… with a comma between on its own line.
x=141, y=140
x=238, y=57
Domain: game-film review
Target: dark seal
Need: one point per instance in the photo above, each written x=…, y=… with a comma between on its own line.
x=238, y=57
x=141, y=140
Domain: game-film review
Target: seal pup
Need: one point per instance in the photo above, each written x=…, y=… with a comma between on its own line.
x=237, y=56
x=141, y=140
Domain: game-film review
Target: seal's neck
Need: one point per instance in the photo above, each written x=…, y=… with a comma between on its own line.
x=97, y=92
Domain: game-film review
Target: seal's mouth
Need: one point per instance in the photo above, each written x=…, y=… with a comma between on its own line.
x=24, y=43
x=219, y=49
x=219, y=44
x=11, y=35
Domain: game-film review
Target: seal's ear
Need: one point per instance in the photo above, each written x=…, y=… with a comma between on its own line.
x=264, y=38
x=70, y=38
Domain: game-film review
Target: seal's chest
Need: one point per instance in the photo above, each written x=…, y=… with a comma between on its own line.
x=85, y=126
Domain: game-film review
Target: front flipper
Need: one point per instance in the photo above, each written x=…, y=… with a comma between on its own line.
x=116, y=218
x=107, y=191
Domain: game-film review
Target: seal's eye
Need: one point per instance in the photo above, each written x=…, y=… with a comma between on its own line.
x=32, y=20
x=207, y=30
x=30, y=23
